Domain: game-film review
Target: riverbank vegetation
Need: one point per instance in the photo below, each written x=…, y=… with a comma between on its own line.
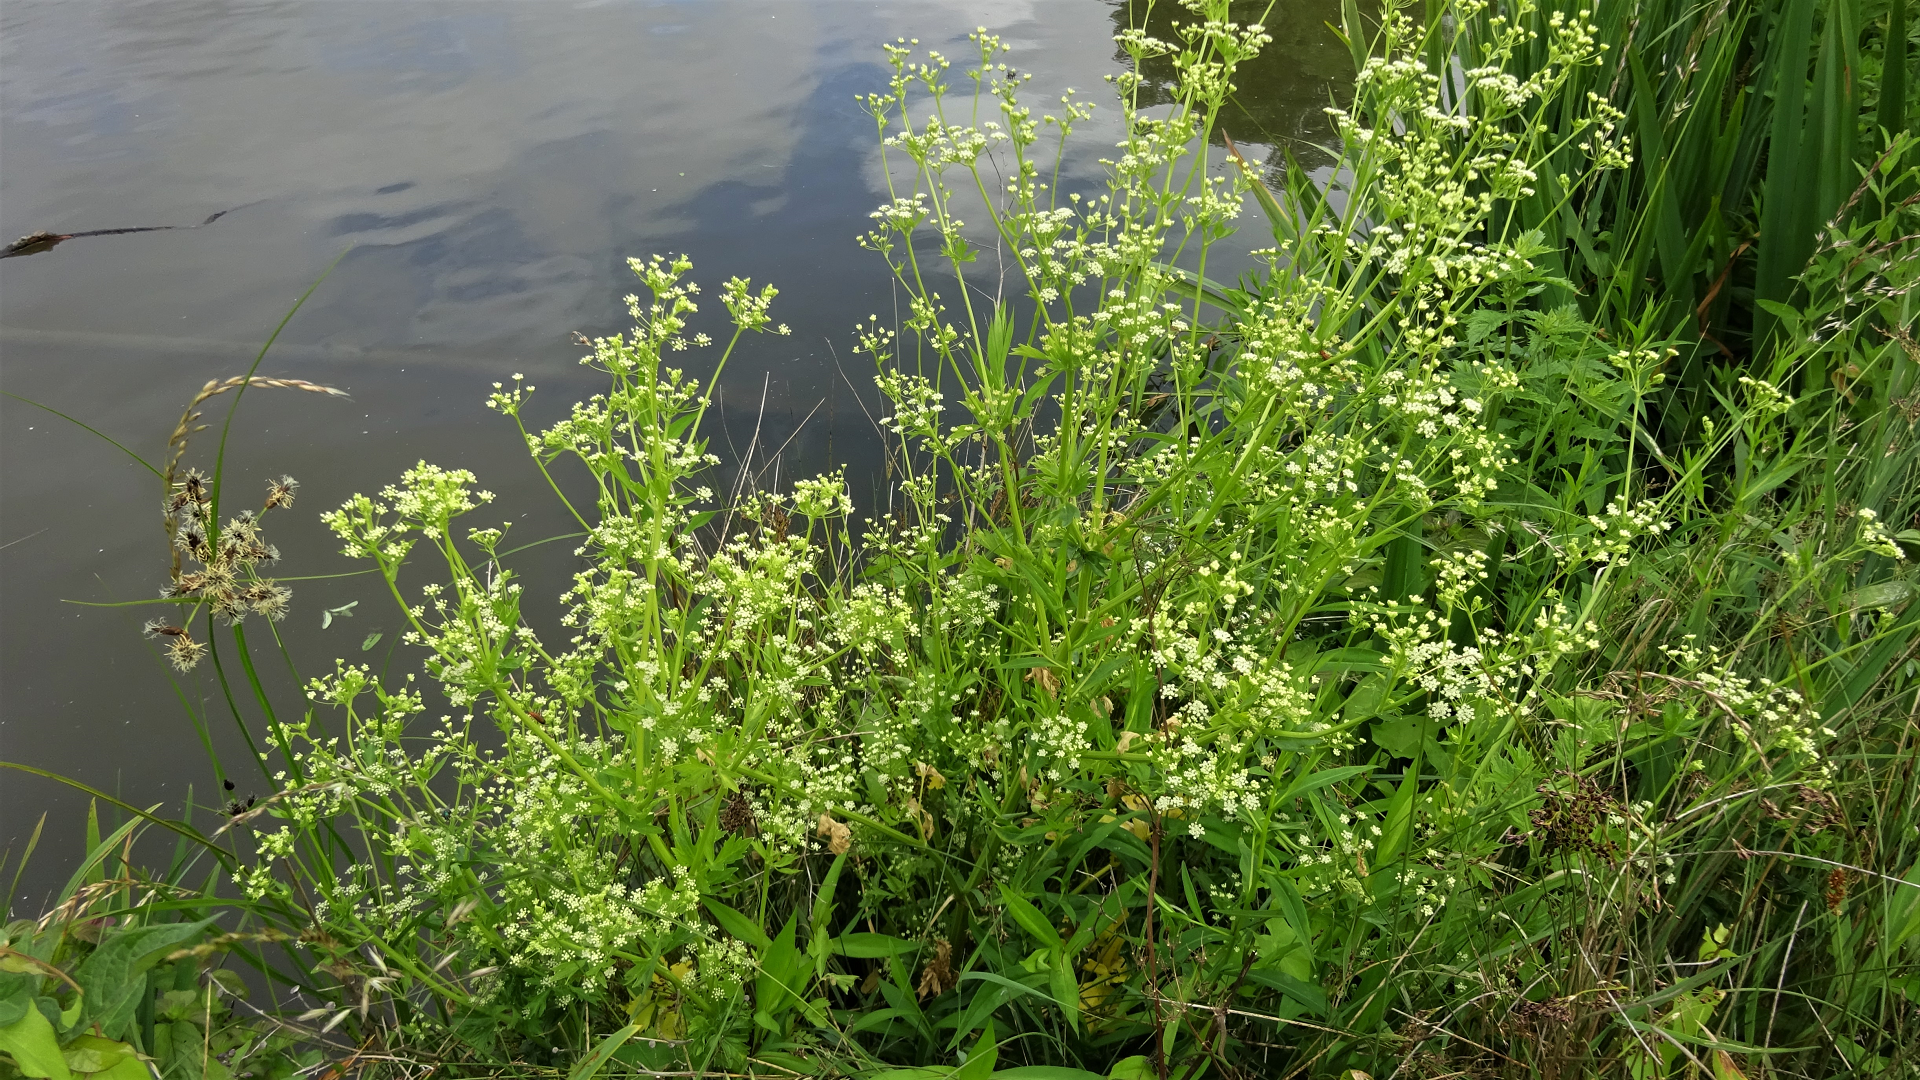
x=1479, y=641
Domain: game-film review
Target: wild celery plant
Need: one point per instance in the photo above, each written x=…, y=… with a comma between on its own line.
x=1751, y=124
x=1327, y=673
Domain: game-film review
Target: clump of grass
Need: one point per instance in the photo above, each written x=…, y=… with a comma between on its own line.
x=1338, y=670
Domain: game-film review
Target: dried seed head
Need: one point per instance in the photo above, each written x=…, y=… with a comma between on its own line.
x=737, y=816
x=938, y=977
x=1836, y=891
x=228, y=603
x=268, y=599
x=244, y=526
x=280, y=492
x=193, y=484
x=1557, y=1012
x=184, y=652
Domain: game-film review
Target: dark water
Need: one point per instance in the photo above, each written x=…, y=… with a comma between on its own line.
x=487, y=167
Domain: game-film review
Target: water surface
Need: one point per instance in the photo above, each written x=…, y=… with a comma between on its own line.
x=488, y=167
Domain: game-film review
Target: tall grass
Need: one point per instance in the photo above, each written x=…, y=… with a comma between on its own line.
x=1413, y=659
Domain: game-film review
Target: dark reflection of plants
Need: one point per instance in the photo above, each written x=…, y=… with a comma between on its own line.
x=1281, y=92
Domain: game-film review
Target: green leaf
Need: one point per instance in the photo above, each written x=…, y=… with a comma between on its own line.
x=1406, y=736
x=1314, y=781
x=1066, y=991
x=823, y=898
x=188, y=1052
x=16, y=995
x=601, y=1053
x=1307, y=994
x=1294, y=910
x=1399, y=822
x=94, y=1056
x=114, y=975
x=1399, y=735
x=979, y=1064
x=819, y=944
x=736, y=924
x=1030, y=920
x=1366, y=698
x=872, y=946
x=783, y=972
x=1893, y=78
x=35, y=1050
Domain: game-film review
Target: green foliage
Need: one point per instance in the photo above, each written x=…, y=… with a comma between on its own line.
x=1405, y=660
x=114, y=984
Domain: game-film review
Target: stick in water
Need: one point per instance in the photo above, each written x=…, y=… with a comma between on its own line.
x=35, y=243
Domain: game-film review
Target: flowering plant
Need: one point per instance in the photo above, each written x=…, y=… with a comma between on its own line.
x=1218, y=667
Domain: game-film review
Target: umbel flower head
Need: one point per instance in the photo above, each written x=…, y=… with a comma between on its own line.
x=227, y=582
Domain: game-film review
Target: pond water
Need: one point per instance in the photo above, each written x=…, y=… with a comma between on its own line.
x=487, y=167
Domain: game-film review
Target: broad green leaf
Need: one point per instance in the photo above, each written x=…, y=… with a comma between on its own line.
x=1399, y=820
x=114, y=975
x=1306, y=993
x=16, y=995
x=35, y=1050
x=92, y=1055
